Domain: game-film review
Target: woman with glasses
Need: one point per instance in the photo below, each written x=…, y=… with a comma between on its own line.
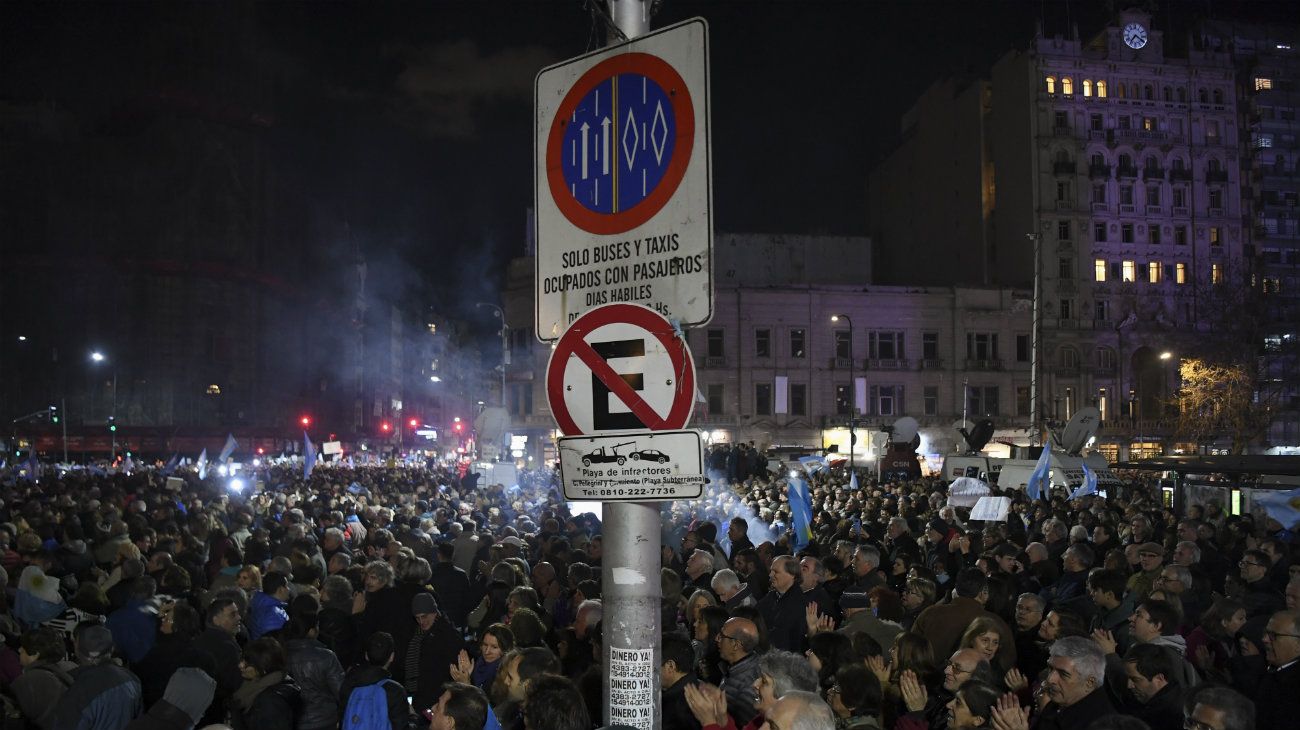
x=917, y=597
x=855, y=698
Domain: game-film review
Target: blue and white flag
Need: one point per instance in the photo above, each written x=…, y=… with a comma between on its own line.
x=800, y=511
x=308, y=456
x=1041, y=476
x=1089, y=485
x=33, y=467
x=228, y=449
x=813, y=464
x=128, y=465
x=1281, y=506
x=203, y=464
x=853, y=481
x=171, y=465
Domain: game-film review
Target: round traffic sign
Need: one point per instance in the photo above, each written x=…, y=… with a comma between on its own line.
x=620, y=367
x=620, y=143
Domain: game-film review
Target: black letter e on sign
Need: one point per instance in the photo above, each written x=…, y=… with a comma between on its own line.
x=601, y=418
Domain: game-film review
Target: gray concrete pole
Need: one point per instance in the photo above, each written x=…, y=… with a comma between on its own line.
x=630, y=568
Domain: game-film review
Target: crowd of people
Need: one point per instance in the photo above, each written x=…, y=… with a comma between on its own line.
x=411, y=596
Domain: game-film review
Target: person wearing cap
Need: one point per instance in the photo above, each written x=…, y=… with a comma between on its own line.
x=433, y=649
x=103, y=695
x=1151, y=558
x=859, y=619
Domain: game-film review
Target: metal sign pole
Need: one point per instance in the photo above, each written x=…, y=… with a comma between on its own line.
x=630, y=569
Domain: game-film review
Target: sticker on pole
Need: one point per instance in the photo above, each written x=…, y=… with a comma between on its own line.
x=641, y=466
x=621, y=367
x=622, y=180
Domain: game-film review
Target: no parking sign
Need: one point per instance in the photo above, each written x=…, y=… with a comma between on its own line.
x=621, y=367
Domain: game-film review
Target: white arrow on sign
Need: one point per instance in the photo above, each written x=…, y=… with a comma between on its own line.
x=584, y=129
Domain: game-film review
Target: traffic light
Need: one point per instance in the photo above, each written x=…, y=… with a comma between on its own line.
x=305, y=421
x=413, y=423
x=112, y=424
x=54, y=414
x=385, y=426
x=459, y=427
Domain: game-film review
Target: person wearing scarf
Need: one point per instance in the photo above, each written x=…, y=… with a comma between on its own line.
x=268, y=699
x=498, y=640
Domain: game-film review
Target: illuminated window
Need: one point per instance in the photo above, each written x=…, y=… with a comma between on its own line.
x=1101, y=89
x=1130, y=271
x=1216, y=238
x=1099, y=269
x=1087, y=87
x=1051, y=84
x=1263, y=84
x=1216, y=273
x=1153, y=272
x=1180, y=273
x=1067, y=86
x=214, y=389
x=1149, y=124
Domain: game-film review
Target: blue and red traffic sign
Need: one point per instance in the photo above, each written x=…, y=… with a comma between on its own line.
x=620, y=143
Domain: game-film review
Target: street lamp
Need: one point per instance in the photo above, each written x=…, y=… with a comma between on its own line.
x=98, y=357
x=1165, y=357
x=505, y=345
x=853, y=388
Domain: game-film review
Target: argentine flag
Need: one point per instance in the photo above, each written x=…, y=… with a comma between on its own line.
x=203, y=464
x=812, y=464
x=228, y=449
x=800, y=511
x=308, y=455
x=1089, y=485
x=1041, y=476
x=1281, y=506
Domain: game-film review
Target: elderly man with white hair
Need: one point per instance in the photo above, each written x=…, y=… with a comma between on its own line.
x=1074, y=685
x=734, y=594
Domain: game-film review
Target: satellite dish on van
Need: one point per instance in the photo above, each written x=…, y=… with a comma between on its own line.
x=879, y=439
x=1081, y=428
x=905, y=430
x=978, y=436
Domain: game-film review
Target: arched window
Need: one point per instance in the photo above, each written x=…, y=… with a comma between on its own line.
x=1087, y=87
x=1149, y=93
x=1126, y=161
x=1133, y=91
x=1063, y=156
x=1213, y=165
x=1101, y=88
x=1178, y=164
x=1098, y=159
x=1068, y=357
x=1152, y=163
x=1169, y=94
x=1067, y=85
x=1218, y=96
x=1051, y=84
x=1202, y=97
x=1182, y=95
x=1123, y=92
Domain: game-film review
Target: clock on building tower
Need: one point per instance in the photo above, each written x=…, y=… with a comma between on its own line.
x=1135, y=35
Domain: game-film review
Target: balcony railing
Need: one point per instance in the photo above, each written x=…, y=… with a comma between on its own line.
x=1155, y=210
x=932, y=363
x=842, y=363
x=1099, y=171
x=1126, y=172
x=1180, y=210
x=715, y=362
x=1220, y=176
x=1215, y=212
x=1130, y=208
x=1065, y=205
x=1063, y=168
x=896, y=363
x=972, y=364
x=1153, y=173
x=1180, y=173
x=1101, y=207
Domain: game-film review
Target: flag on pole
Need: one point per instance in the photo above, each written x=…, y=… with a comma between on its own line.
x=800, y=511
x=228, y=449
x=171, y=465
x=128, y=466
x=1089, y=485
x=308, y=456
x=853, y=481
x=1040, y=477
x=33, y=467
x=203, y=464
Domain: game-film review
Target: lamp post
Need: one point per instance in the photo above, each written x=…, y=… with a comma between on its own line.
x=98, y=357
x=853, y=388
x=1165, y=357
x=505, y=345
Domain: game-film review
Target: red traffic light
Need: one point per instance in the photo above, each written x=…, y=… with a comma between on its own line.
x=459, y=427
x=385, y=426
x=305, y=421
x=414, y=423
x=260, y=450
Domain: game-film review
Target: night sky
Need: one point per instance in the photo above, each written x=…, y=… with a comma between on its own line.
x=410, y=123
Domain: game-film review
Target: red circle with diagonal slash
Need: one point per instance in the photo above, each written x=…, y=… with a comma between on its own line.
x=573, y=342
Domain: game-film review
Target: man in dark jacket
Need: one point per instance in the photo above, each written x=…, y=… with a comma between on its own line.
x=783, y=607
x=1151, y=693
x=1074, y=686
x=451, y=586
x=376, y=658
x=676, y=673
x=315, y=668
x=218, y=640
x=944, y=624
x=432, y=650
x=103, y=695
